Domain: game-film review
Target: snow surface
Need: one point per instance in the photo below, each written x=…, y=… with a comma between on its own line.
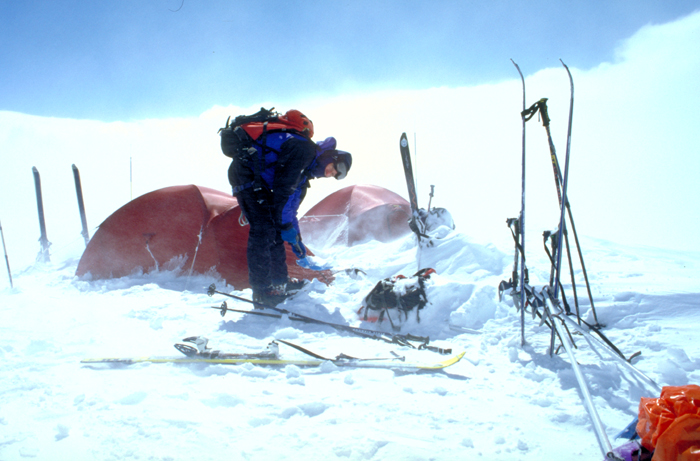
x=501, y=402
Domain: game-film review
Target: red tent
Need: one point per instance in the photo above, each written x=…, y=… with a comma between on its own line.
x=356, y=214
x=192, y=222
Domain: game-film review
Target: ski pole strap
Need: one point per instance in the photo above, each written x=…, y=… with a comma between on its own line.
x=530, y=112
x=546, y=235
x=417, y=225
x=515, y=223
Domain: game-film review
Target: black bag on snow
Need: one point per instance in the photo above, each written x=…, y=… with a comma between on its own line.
x=398, y=293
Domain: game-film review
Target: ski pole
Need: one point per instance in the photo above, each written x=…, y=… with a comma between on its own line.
x=541, y=105
x=293, y=315
x=616, y=355
x=432, y=192
x=224, y=309
x=7, y=260
x=603, y=441
x=403, y=340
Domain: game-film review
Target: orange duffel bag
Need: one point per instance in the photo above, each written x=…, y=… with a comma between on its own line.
x=670, y=425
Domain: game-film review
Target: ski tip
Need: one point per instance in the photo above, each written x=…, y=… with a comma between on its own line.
x=446, y=363
x=454, y=359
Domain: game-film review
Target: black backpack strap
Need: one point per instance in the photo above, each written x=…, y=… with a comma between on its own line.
x=258, y=164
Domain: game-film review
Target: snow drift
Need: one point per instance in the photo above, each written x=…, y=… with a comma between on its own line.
x=501, y=402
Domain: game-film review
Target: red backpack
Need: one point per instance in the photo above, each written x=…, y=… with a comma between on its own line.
x=238, y=136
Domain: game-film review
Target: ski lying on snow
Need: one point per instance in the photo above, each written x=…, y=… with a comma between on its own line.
x=221, y=361
x=269, y=359
x=203, y=351
x=282, y=362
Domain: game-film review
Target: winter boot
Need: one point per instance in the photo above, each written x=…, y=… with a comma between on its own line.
x=294, y=284
x=270, y=296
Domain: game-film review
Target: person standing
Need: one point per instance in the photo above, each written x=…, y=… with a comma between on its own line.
x=270, y=182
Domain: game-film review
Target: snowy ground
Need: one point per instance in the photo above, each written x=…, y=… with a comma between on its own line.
x=501, y=402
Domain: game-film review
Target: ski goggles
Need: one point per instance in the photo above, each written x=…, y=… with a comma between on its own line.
x=342, y=170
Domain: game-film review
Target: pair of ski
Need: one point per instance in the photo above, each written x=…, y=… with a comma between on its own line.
x=548, y=298
x=519, y=281
x=43, y=255
x=201, y=354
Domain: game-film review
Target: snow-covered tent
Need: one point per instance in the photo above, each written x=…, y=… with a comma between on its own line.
x=356, y=214
x=190, y=226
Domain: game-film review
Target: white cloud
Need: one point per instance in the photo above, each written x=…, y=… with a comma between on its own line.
x=634, y=154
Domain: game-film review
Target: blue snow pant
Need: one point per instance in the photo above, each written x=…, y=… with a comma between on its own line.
x=267, y=257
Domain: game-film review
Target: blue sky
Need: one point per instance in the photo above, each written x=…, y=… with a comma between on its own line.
x=136, y=59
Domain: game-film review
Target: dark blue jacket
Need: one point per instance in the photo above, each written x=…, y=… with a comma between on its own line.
x=290, y=162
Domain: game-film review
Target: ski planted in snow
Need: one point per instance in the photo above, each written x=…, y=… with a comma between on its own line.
x=416, y=223
x=408, y=171
x=43, y=255
x=81, y=204
x=7, y=260
x=564, y=186
x=270, y=357
x=521, y=225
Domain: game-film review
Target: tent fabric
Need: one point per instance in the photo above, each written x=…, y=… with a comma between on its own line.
x=162, y=228
x=356, y=214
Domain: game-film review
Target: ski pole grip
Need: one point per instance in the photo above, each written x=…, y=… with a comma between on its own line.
x=542, y=103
